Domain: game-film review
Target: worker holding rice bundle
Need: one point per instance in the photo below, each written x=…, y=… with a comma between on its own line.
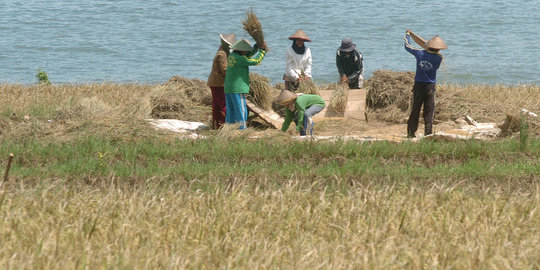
x=428, y=61
x=237, y=79
x=301, y=109
x=216, y=80
x=298, y=61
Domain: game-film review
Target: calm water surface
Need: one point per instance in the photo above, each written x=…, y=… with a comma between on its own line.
x=81, y=41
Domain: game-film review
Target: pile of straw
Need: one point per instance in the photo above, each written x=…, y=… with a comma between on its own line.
x=388, y=88
x=253, y=27
x=389, y=94
x=196, y=90
x=260, y=91
x=183, y=99
x=338, y=101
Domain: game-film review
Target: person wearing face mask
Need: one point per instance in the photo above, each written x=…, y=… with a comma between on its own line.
x=298, y=61
x=350, y=64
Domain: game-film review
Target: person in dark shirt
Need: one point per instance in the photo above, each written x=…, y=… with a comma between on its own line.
x=350, y=64
x=428, y=61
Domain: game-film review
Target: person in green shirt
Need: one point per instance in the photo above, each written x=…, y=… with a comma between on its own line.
x=237, y=79
x=300, y=108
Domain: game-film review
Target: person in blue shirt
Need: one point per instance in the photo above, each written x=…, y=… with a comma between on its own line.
x=428, y=61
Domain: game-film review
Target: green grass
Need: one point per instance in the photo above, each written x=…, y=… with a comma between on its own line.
x=204, y=159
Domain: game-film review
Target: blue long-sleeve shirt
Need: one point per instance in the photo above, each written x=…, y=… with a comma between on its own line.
x=426, y=63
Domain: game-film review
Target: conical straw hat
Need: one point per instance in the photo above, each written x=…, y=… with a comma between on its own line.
x=300, y=35
x=436, y=43
x=242, y=45
x=285, y=96
x=228, y=38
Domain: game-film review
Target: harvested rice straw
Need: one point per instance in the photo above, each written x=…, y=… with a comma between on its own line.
x=260, y=91
x=307, y=87
x=338, y=101
x=388, y=88
x=253, y=27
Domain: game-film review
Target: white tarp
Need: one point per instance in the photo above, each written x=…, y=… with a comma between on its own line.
x=178, y=126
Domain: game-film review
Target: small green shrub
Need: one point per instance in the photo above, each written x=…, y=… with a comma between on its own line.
x=42, y=77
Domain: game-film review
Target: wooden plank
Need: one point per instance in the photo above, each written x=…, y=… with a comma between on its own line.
x=269, y=117
x=420, y=41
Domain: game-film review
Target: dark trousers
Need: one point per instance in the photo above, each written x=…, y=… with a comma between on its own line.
x=291, y=86
x=423, y=94
x=218, y=107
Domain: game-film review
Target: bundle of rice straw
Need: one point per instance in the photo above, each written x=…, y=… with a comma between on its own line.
x=308, y=87
x=260, y=91
x=253, y=27
x=338, y=101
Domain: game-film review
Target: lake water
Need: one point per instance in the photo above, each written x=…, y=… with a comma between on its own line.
x=80, y=41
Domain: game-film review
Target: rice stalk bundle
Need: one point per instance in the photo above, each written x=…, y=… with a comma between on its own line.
x=307, y=87
x=260, y=90
x=338, y=101
x=253, y=27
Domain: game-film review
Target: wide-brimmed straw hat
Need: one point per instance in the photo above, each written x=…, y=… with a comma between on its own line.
x=228, y=38
x=436, y=43
x=299, y=34
x=285, y=96
x=242, y=45
x=347, y=45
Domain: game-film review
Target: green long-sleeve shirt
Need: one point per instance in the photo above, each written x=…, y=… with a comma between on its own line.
x=237, y=76
x=301, y=103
